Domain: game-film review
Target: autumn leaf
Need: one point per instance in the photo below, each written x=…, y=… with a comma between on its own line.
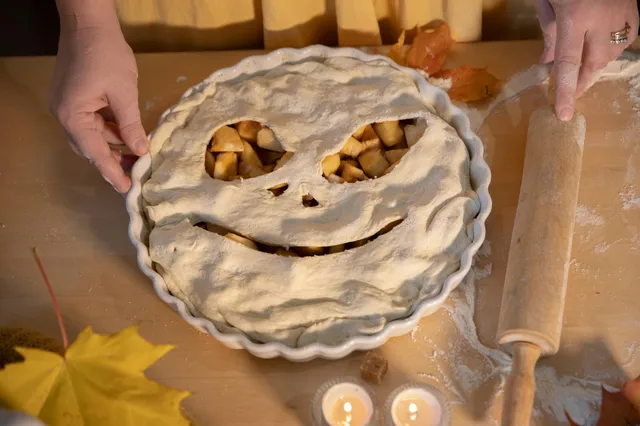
x=470, y=84
x=616, y=409
x=631, y=390
x=99, y=381
x=430, y=49
x=396, y=53
x=571, y=422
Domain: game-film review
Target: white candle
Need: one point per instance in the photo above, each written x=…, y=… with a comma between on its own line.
x=347, y=404
x=465, y=19
x=416, y=404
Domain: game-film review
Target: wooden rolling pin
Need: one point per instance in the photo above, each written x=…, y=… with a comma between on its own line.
x=536, y=279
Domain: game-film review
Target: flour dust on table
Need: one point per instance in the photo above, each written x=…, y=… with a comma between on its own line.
x=465, y=366
x=355, y=208
x=627, y=67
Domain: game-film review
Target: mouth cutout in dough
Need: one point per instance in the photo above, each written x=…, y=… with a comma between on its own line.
x=301, y=251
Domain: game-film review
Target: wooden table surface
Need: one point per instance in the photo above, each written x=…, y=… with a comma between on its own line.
x=52, y=199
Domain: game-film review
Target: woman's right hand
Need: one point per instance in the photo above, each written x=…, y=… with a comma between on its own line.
x=577, y=38
x=94, y=95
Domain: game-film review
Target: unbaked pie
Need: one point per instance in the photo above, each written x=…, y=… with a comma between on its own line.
x=311, y=202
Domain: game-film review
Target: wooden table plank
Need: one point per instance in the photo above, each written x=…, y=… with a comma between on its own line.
x=52, y=199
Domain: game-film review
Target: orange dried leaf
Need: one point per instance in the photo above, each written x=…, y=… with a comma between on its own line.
x=571, y=422
x=430, y=49
x=470, y=84
x=397, y=51
x=616, y=409
x=631, y=390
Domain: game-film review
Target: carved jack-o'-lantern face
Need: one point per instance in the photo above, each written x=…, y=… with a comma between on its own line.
x=309, y=203
x=250, y=149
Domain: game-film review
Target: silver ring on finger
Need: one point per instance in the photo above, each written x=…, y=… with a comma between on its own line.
x=621, y=36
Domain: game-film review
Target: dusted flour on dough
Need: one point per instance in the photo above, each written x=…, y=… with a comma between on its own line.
x=313, y=107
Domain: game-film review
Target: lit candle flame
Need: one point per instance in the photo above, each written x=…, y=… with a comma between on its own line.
x=413, y=411
x=348, y=417
x=349, y=409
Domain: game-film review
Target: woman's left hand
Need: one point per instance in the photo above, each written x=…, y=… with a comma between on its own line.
x=577, y=36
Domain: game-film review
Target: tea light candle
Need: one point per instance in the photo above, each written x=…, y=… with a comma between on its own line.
x=343, y=402
x=416, y=404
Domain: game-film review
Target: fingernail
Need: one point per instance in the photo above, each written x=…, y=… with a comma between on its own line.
x=565, y=114
x=141, y=146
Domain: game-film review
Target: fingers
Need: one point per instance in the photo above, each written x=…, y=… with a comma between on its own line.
x=107, y=114
x=633, y=23
x=549, y=48
x=85, y=132
x=126, y=161
x=546, y=16
x=568, y=56
x=117, y=155
x=111, y=134
x=598, y=51
x=124, y=105
x=547, y=19
x=112, y=172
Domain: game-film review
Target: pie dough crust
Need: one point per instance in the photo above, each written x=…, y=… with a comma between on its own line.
x=313, y=107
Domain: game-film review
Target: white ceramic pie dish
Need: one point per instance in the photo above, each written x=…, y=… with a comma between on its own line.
x=443, y=107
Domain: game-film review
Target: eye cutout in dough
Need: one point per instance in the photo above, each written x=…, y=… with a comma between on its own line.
x=244, y=150
x=373, y=150
x=298, y=251
x=249, y=149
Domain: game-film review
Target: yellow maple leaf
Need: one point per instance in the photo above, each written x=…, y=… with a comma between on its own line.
x=99, y=381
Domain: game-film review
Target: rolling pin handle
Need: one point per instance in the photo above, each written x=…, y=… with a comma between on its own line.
x=521, y=385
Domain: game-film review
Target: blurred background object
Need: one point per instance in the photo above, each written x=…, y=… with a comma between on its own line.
x=30, y=27
x=510, y=20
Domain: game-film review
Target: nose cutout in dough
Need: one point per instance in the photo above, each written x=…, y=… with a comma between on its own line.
x=309, y=201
